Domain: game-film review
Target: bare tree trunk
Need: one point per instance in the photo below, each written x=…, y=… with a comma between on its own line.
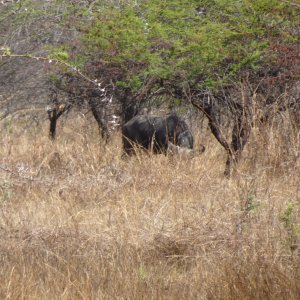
x=99, y=114
x=240, y=135
x=240, y=132
x=53, y=114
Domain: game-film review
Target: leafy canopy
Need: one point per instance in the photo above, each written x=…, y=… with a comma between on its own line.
x=205, y=41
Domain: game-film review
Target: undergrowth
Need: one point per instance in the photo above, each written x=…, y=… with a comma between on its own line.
x=79, y=222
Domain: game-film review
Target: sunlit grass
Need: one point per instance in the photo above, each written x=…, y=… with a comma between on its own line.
x=79, y=222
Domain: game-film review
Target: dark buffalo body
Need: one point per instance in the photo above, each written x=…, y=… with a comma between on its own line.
x=152, y=132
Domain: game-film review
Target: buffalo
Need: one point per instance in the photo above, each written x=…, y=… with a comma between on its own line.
x=158, y=134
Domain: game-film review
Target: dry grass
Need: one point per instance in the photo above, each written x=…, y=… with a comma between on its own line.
x=77, y=222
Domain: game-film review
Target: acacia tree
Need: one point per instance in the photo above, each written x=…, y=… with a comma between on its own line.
x=224, y=57
x=37, y=71
x=197, y=51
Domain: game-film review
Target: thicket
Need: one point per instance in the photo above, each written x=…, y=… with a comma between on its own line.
x=195, y=43
x=225, y=57
x=202, y=43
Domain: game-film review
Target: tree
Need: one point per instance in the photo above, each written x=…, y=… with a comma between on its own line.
x=224, y=57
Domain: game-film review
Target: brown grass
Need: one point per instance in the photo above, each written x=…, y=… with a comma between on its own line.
x=77, y=222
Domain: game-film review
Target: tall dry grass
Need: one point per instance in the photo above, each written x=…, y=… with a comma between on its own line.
x=78, y=222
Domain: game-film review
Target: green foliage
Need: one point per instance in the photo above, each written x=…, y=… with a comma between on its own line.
x=292, y=228
x=251, y=204
x=168, y=39
x=5, y=186
x=7, y=11
x=142, y=273
x=205, y=43
x=54, y=78
x=5, y=51
x=60, y=54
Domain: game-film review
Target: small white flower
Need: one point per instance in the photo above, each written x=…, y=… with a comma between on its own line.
x=50, y=61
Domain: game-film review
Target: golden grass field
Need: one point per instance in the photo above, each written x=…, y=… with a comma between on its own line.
x=78, y=222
